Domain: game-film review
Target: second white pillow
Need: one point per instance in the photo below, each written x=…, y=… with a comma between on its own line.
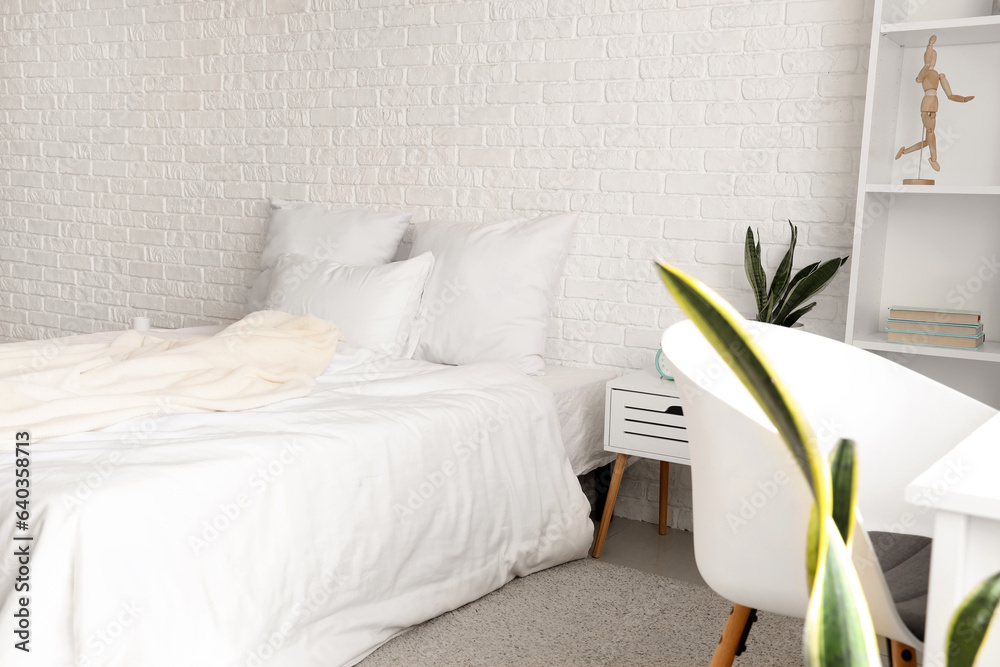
x=375, y=306
x=489, y=296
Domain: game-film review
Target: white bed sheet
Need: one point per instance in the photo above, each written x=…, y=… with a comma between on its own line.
x=580, y=396
x=304, y=533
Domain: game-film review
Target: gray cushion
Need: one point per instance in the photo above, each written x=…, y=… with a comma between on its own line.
x=906, y=564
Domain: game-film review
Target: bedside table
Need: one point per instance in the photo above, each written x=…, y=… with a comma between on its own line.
x=642, y=417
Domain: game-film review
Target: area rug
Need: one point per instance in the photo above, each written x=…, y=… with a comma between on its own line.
x=590, y=613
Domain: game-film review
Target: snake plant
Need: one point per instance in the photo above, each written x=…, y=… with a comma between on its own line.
x=782, y=302
x=838, y=629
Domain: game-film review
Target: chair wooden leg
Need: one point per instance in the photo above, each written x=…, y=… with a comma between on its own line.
x=901, y=655
x=609, y=504
x=664, y=482
x=732, y=633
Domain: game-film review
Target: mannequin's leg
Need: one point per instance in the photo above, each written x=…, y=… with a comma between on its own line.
x=920, y=145
x=930, y=122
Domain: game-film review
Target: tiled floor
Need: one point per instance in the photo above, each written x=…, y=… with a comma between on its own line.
x=639, y=545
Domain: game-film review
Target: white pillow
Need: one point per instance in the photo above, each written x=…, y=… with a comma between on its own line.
x=345, y=236
x=375, y=306
x=489, y=295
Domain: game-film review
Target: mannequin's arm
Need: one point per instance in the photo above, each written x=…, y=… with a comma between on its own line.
x=952, y=96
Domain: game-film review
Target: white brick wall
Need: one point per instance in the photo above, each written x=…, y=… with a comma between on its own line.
x=140, y=138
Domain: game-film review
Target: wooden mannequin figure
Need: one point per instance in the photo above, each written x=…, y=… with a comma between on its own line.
x=929, y=79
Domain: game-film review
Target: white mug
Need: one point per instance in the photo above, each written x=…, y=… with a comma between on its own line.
x=141, y=323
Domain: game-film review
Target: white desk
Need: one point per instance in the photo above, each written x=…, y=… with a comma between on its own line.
x=963, y=489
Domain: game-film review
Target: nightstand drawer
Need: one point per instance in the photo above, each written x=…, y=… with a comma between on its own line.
x=647, y=408
x=647, y=423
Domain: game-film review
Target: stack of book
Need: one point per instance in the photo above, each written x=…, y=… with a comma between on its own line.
x=936, y=327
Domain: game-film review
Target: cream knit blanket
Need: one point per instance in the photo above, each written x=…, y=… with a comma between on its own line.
x=81, y=383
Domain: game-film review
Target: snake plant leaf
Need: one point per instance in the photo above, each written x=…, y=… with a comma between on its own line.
x=724, y=329
x=844, y=484
x=801, y=274
x=971, y=623
x=794, y=317
x=754, y=269
x=809, y=286
x=813, y=538
x=838, y=629
x=773, y=303
x=784, y=272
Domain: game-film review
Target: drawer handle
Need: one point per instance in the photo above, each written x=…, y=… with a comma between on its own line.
x=672, y=410
x=639, y=421
x=658, y=437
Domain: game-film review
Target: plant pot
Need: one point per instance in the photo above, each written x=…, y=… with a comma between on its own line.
x=934, y=10
x=797, y=325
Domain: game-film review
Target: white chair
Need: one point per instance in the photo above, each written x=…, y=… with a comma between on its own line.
x=750, y=500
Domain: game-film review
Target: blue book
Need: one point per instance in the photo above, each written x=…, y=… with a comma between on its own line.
x=907, y=326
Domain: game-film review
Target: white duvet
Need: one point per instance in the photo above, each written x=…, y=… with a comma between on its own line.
x=304, y=533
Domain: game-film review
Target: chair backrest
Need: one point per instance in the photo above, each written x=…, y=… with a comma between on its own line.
x=750, y=500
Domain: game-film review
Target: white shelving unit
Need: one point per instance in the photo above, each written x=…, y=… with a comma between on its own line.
x=930, y=246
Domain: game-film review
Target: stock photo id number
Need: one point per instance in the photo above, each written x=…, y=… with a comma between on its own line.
x=22, y=541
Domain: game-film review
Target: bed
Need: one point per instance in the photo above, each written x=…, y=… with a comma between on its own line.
x=407, y=471
x=303, y=533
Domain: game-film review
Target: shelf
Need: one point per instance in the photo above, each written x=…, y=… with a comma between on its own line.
x=950, y=32
x=990, y=351
x=935, y=189
x=909, y=245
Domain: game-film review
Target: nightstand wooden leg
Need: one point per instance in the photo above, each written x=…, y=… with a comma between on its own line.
x=664, y=483
x=609, y=504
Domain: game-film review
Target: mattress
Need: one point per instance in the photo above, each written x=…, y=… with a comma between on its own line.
x=580, y=395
